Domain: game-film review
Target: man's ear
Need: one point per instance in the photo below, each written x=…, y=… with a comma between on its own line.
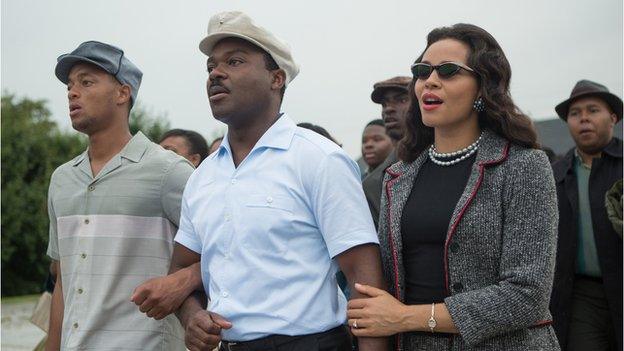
x=613, y=119
x=195, y=160
x=124, y=94
x=279, y=79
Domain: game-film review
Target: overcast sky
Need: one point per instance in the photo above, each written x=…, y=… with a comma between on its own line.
x=343, y=47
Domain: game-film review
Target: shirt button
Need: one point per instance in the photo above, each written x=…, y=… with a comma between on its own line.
x=75, y=325
x=86, y=221
x=91, y=187
x=80, y=291
x=233, y=181
x=458, y=286
x=225, y=294
x=227, y=218
x=83, y=255
x=454, y=247
x=269, y=199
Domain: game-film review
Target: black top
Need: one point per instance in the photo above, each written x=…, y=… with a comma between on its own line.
x=424, y=226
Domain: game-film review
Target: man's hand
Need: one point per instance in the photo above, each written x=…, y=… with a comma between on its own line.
x=363, y=264
x=159, y=297
x=203, y=331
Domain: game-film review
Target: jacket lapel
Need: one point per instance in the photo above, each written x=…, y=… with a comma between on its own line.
x=614, y=148
x=492, y=151
x=398, y=183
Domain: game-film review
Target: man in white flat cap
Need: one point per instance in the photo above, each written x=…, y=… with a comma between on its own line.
x=273, y=214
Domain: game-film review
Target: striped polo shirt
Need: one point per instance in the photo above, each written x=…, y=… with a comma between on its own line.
x=111, y=233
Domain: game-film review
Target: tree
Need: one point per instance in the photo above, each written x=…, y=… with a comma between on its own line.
x=32, y=148
x=153, y=126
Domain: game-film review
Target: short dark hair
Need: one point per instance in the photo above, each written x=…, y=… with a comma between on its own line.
x=318, y=129
x=197, y=143
x=376, y=122
x=271, y=65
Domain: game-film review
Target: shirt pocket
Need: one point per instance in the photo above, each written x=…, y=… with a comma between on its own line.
x=269, y=223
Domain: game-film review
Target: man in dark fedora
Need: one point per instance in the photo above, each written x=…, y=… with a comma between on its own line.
x=392, y=95
x=586, y=301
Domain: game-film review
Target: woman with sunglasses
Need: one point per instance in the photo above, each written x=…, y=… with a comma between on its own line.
x=468, y=217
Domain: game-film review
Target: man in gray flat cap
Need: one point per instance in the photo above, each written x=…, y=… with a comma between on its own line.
x=272, y=214
x=113, y=210
x=391, y=94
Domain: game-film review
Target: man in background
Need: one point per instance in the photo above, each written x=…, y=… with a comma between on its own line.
x=376, y=144
x=586, y=300
x=186, y=143
x=392, y=95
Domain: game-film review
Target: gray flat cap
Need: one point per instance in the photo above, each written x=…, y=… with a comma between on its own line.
x=109, y=58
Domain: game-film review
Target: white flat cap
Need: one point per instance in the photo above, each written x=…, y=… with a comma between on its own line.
x=239, y=25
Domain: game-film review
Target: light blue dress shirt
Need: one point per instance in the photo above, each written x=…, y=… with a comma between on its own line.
x=268, y=231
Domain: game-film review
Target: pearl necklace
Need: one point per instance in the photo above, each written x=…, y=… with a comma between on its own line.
x=465, y=153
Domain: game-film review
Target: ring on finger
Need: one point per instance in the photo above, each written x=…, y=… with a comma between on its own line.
x=355, y=324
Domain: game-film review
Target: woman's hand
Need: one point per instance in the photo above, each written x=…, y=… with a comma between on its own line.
x=379, y=315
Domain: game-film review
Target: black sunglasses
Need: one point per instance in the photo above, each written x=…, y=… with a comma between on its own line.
x=445, y=70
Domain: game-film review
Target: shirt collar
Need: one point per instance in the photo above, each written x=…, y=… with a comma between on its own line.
x=278, y=136
x=133, y=150
x=78, y=159
x=614, y=148
x=579, y=160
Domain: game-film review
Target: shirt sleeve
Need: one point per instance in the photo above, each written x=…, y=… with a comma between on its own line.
x=172, y=188
x=53, y=250
x=339, y=205
x=186, y=235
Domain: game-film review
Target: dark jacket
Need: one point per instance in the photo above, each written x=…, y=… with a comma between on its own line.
x=499, y=250
x=605, y=171
x=372, y=185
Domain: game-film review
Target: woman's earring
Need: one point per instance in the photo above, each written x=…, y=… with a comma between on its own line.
x=479, y=105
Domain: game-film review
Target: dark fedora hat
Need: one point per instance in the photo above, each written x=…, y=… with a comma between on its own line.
x=584, y=88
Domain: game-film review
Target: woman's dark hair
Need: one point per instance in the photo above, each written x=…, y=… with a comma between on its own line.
x=196, y=142
x=501, y=115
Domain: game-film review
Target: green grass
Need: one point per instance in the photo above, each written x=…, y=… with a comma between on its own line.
x=20, y=299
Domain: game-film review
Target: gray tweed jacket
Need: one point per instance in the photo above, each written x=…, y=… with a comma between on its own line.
x=499, y=251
